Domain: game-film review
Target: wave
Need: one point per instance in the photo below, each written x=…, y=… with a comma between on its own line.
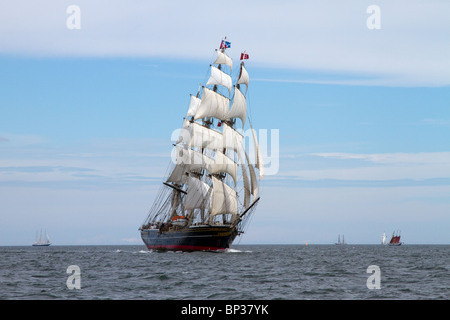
x=231, y=250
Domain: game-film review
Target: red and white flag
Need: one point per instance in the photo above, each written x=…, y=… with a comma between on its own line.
x=244, y=55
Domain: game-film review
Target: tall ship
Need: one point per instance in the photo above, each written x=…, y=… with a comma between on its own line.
x=395, y=239
x=42, y=241
x=340, y=242
x=211, y=188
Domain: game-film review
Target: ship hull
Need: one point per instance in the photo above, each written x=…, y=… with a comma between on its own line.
x=198, y=238
x=41, y=245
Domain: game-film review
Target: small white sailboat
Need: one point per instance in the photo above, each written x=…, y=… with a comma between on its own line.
x=42, y=242
x=383, y=238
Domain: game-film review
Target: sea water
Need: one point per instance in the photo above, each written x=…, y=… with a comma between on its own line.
x=244, y=272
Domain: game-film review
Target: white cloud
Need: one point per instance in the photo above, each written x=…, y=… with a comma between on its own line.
x=372, y=167
x=30, y=159
x=425, y=158
x=409, y=49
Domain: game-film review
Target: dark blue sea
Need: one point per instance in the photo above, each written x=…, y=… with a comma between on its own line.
x=244, y=272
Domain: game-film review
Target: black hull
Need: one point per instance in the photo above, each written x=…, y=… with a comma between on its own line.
x=197, y=238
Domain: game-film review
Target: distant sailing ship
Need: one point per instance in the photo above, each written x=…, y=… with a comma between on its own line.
x=205, y=202
x=395, y=239
x=339, y=240
x=383, y=238
x=42, y=242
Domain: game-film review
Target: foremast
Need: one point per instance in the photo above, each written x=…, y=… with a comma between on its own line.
x=204, y=185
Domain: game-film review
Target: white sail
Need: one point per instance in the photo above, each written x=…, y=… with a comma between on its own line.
x=185, y=134
x=222, y=58
x=259, y=164
x=224, y=199
x=178, y=174
x=253, y=180
x=212, y=104
x=198, y=195
x=243, y=76
x=239, y=107
x=383, y=238
x=193, y=106
x=203, y=137
x=232, y=139
x=188, y=160
x=175, y=202
x=194, y=160
x=218, y=77
x=246, y=182
x=224, y=164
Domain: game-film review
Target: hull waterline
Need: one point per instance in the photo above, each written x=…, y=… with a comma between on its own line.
x=202, y=238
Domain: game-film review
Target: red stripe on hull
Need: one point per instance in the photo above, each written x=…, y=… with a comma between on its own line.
x=185, y=248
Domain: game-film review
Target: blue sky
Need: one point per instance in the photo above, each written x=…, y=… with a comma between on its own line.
x=363, y=115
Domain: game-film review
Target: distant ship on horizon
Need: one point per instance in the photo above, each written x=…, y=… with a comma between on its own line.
x=42, y=242
x=383, y=238
x=340, y=243
x=395, y=239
